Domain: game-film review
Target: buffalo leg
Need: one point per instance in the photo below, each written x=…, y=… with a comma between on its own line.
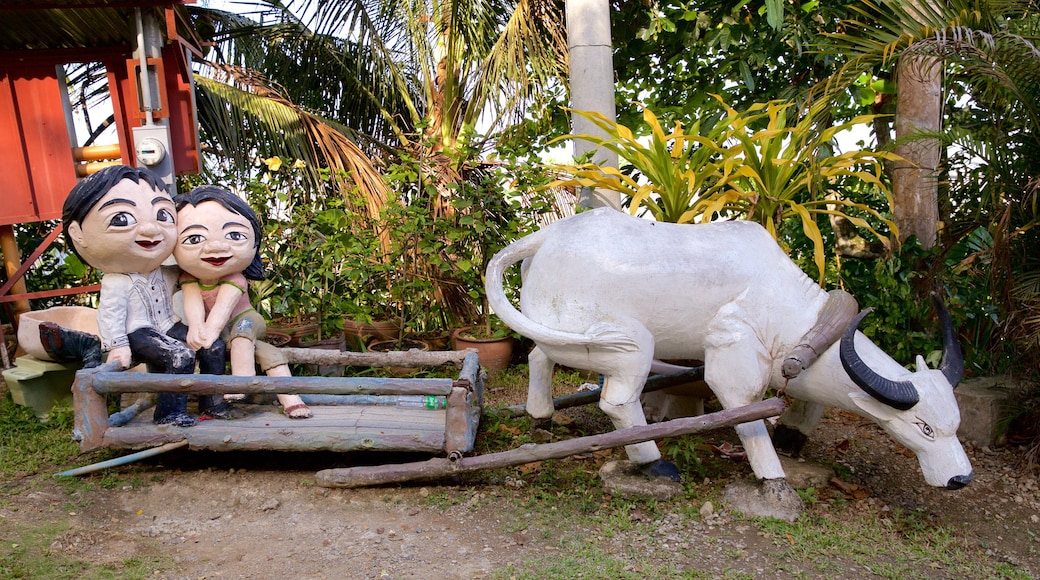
x=622, y=386
x=736, y=367
x=539, y=391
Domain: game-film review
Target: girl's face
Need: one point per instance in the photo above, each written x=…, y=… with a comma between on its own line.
x=213, y=241
x=132, y=228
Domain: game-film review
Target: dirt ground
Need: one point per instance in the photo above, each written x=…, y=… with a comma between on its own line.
x=260, y=515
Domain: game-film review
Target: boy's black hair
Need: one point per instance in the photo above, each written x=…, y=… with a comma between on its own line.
x=84, y=195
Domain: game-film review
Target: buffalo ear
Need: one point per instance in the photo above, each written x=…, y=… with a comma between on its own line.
x=873, y=408
x=922, y=365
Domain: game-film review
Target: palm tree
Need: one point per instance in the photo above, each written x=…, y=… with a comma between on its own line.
x=361, y=85
x=356, y=80
x=974, y=43
x=991, y=62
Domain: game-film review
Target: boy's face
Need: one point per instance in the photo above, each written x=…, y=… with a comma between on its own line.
x=132, y=228
x=213, y=241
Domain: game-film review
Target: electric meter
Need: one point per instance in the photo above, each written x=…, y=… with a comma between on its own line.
x=150, y=151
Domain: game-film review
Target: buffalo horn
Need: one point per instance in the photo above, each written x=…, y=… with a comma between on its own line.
x=897, y=394
x=952, y=365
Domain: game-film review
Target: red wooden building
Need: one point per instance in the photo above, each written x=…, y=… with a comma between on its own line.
x=37, y=136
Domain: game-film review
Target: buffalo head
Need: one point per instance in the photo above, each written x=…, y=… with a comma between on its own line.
x=918, y=410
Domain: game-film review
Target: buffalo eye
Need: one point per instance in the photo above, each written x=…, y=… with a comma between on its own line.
x=925, y=428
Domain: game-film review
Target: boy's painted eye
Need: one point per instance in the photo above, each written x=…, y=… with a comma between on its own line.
x=236, y=236
x=122, y=219
x=193, y=240
x=165, y=215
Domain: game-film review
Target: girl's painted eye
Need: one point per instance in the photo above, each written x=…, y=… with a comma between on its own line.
x=193, y=240
x=236, y=236
x=122, y=219
x=165, y=215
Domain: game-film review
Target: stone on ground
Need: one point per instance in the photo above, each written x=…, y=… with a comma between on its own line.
x=803, y=474
x=984, y=404
x=627, y=478
x=769, y=498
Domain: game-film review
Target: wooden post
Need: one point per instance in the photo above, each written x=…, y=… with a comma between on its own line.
x=12, y=261
x=90, y=409
x=441, y=467
x=456, y=424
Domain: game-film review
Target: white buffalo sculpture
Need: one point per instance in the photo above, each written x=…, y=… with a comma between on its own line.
x=607, y=292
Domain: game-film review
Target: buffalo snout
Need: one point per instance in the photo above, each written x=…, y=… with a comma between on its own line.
x=959, y=481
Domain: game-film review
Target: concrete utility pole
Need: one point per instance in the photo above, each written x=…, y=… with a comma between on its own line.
x=592, y=85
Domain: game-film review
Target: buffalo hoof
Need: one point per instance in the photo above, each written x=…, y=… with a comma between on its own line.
x=662, y=469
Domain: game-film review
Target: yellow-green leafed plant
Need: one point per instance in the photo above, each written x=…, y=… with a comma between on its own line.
x=675, y=170
x=764, y=164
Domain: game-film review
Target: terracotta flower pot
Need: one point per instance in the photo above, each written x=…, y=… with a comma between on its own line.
x=378, y=330
x=297, y=330
x=276, y=338
x=495, y=353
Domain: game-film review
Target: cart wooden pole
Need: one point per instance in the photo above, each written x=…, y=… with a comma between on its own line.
x=442, y=467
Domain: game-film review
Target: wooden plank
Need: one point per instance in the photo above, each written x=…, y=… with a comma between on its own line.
x=376, y=359
x=338, y=428
x=332, y=417
x=127, y=382
x=223, y=436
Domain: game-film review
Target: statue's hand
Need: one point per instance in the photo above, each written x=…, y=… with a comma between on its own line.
x=122, y=355
x=196, y=338
x=207, y=336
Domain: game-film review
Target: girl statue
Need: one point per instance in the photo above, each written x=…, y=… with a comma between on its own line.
x=218, y=250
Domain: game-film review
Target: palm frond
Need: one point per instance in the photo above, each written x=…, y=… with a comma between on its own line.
x=247, y=114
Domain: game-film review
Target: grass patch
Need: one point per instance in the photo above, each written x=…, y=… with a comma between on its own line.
x=27, y=445
x=894, y=545
x=25, y=552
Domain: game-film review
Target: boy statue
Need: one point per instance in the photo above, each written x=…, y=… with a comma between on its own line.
x=122, y=221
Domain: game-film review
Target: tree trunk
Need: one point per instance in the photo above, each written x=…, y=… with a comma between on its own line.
x=914, y=181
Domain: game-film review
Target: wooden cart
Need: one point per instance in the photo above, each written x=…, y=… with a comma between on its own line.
x=350, y=414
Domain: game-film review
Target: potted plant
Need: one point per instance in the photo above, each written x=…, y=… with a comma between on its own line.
x=484, y=222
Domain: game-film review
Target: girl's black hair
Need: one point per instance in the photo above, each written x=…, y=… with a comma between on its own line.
x=235, y=204
x=85, y=194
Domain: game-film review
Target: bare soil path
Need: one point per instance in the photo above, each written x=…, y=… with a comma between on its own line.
x=259, y=515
